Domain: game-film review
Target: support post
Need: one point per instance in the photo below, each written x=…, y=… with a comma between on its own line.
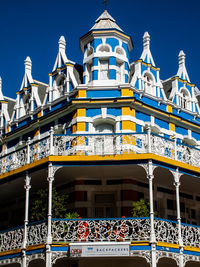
x=27, y=187
x=50, y=180
x=149, y=139
x=180, y=240
x=51, y=141
x=150, y=177
x=28, y=150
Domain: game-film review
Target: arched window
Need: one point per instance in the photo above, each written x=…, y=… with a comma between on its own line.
x=104, y=128
x=104, y=69
x=89, y=51
x=27, y=103
x=104, y=144
x=184, y=99
x=61, y=83
x=104, y=48
x=120, y=51
x=148, y=84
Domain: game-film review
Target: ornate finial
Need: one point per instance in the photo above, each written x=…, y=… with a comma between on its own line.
x=146, y=40
x=62, y=43
x=28, y=64
x=181, y=58
x=105, y=2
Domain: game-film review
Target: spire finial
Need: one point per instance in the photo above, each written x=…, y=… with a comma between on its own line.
x=62, y=43
x=181, y=58
x=105, y=2
x=28, y=64
x=146, y=40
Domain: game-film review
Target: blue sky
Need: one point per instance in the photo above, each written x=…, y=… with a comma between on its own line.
x=33, y=27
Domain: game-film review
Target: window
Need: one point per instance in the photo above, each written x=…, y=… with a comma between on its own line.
x=104, y=48
x=119, y=51
x=104, y=69
x=170, y=204
x=184, y=99
x=89, y=51
x=119, y=71
x=60, y=83
x=148, y=84
x=27, y=103
x=104, y=205
x=89, y=72
x=104, y=144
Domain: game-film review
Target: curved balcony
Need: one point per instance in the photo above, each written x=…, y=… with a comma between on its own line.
x=99, y=144
x=100, y=230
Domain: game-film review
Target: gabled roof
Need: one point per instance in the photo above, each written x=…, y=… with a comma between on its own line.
x=105, y=21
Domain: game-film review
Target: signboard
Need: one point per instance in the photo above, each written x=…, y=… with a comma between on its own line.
x=99, y=250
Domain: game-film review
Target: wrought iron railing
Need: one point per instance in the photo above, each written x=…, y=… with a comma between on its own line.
x=100, y=230
x=99, y=144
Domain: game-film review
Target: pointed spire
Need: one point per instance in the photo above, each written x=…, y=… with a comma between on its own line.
x=28, y=64
x=146, y=54
x=182, y=72
x=105, y=21
x=62, y=43
x=181, y=58
x=146, y=40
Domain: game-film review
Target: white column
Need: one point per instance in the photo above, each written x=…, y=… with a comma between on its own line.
x=149, y=139
x=50, y=180
x=180, y=240
x=150, y=177
x=28, y=150
x=51, y=141
x=26, y=218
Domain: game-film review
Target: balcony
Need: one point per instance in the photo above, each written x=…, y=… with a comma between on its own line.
x=99, y=144
x=99, y=230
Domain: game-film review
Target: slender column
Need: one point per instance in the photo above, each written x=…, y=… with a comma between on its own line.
x=28, y=150
x=51, y=141
x=180, y=240
x=50, y=180
x=150, y=177
x=149, y=139
x=26, y=218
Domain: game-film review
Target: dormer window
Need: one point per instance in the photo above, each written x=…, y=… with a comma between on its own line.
x=104, y=69
x=89, y=71
x=148, y=84
x=184, y=99
x=61, y=84
x=27, y=103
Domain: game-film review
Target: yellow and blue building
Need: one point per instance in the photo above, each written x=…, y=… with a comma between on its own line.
x=107, y=133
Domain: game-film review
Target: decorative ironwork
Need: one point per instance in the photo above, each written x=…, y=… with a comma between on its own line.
x=100, y=144
x=37, y=233
x=100, y=230
x=190, y=235
x=166, y=231
x=11, y=239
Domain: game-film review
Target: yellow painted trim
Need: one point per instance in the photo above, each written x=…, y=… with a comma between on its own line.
x=192, y=248
x=128, y=125
x=39, y=114
x=168, y=245
x=81, y=94
x=69, y=64
x=60, y=244
x=169, y=109
x=126, y=92
x=80, y=126
x=81, y=112
x=172, y=127
x=112, y=32
x=3, y=101
x=13, y=251
x=139, y=243
x=35, y=247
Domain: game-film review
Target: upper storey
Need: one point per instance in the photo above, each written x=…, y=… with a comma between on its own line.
x=106, y=51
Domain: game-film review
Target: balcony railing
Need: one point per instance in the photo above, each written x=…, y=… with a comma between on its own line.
x=100, y=230
x=99, y=144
